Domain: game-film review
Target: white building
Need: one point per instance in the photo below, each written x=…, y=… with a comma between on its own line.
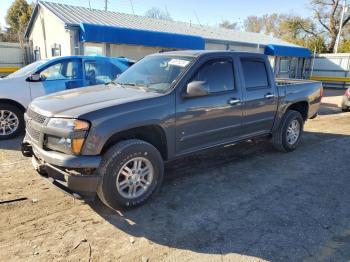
x=59, y=29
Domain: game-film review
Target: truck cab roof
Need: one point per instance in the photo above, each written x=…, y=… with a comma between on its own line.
x=198, y=53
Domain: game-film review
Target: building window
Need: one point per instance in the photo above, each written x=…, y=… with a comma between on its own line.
x=94, y=49
x=56, y=50
x=36, y=53
x=284, y=65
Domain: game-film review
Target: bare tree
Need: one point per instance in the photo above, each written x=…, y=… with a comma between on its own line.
x=228, y=25
x=155, y=12
x=253, y=24
x=292, y=28
x=328, y=14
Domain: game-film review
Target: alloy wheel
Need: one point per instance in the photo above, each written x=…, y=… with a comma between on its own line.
x=8, y=122
x=293, y=132
x=135, y=177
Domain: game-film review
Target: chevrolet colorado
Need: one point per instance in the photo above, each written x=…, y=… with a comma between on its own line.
x=113, y=139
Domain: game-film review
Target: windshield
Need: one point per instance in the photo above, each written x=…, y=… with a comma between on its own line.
x=24, y=71
x=154, y=73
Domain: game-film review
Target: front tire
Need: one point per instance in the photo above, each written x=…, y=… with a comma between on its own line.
x=288, y=135
x=11, y=121
x=132, y=172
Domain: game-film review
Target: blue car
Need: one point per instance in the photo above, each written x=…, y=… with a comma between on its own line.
x=48, y=76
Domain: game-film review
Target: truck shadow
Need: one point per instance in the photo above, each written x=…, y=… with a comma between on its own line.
x=11, y=144
x=251, y=200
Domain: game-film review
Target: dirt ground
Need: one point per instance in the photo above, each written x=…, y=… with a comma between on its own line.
x=241, y=203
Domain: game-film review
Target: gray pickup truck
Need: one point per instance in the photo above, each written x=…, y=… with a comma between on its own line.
x=113, y=139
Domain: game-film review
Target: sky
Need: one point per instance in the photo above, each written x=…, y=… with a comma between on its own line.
x=204, y=12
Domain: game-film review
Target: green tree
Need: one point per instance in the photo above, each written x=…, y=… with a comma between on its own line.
x=344, y=46
x=17, y=18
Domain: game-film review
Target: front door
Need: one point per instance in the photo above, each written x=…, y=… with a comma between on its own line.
x=259, y=95
x=212, y=119
x=58, y=76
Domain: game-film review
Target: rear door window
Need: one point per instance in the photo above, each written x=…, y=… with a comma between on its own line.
x=100, y=72
x=254, y=73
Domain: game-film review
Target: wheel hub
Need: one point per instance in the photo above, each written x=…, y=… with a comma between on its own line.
x=293, y=132
x=8, y=122
x=135, y=177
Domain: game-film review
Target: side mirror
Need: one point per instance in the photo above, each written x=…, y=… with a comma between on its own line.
x=196, y=89
x=34, y=78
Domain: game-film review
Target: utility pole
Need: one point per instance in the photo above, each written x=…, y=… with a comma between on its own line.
x=345, y=9
x=106, y=5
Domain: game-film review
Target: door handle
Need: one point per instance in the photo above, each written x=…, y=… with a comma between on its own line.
x=234, y=101
x=269, y=95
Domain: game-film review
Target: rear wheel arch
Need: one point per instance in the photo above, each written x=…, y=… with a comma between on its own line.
x=302, y=107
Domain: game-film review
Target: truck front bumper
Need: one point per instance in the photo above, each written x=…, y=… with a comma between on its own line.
x=55, y=167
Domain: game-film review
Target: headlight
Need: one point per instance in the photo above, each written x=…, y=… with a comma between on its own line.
x=68, y=124
x=72, y=144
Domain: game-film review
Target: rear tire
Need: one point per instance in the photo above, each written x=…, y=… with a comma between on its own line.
x=288, y=135
x=11, y=121
x=346, y=109
x=123, y=168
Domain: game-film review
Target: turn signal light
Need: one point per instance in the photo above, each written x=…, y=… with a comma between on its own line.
x=77, y=145
x=81, y=125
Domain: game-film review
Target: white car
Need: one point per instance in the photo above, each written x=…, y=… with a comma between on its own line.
x=48, y=76
x=345, y=104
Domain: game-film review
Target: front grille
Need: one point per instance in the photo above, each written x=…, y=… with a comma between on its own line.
x=32, y=128
x=36, y=116
x=34, y=134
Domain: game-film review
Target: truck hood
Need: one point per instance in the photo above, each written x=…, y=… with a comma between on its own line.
x=74, y=103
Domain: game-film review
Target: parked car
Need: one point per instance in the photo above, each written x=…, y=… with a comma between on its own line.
x=345, y=105
x=114, y=139
x=48, y=76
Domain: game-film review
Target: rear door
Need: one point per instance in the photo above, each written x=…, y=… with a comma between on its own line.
x=100, y=71
x=259, y=95
x=213, y=119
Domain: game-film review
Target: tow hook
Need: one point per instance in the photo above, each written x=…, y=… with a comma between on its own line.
x=26, y=149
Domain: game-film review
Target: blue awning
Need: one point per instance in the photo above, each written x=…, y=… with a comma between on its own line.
x=120, y=35
x=280, y=50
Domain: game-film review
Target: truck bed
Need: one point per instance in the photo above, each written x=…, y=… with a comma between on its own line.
x=288, y=81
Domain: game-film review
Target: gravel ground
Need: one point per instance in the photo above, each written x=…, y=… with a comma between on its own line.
x=241, y=203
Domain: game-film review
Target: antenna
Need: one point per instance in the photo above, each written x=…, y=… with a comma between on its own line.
x=199, y=22
x=166, y=10
x=132, y=7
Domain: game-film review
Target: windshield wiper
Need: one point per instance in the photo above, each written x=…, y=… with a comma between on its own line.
x=138, y=86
